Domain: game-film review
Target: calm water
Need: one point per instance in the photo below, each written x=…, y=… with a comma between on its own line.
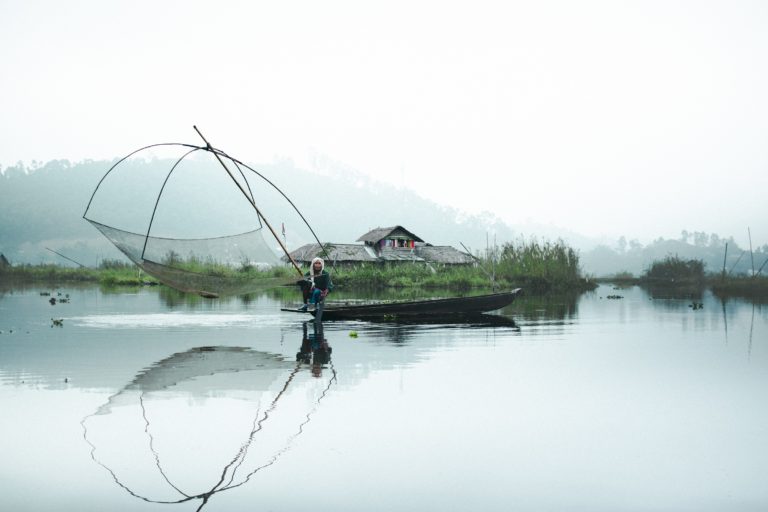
x=140, y=402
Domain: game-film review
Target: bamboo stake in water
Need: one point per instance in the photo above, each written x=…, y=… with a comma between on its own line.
x=725, y=258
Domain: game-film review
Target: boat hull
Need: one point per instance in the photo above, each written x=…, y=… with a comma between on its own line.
x=459, y=306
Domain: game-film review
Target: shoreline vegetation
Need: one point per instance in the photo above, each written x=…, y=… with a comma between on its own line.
x=538, y=268
x=673, y=271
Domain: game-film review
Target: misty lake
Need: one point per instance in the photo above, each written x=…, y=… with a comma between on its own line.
x=141, y=402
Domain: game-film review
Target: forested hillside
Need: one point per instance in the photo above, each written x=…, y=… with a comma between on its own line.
x=41, y=208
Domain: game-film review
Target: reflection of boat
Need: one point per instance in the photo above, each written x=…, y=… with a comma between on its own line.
x=451, y=308
x=454, y=320
x=203, y=421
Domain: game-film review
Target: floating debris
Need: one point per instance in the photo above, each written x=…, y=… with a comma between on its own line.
x=57, y=322
x=353, y=334
x=45, y=294
x=696, y=305
x=614, y=297
x=52, y=301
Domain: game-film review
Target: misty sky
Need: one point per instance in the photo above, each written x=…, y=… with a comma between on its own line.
x=609, y=118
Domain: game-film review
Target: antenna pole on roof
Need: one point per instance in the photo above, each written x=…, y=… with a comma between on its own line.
x=250, y=200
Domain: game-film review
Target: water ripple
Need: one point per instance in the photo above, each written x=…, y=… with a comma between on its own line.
x=164, y=320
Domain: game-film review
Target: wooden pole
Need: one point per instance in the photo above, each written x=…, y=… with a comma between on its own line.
x=725, y=258
x=250, y=200
x=760, y=269
x=66, y=258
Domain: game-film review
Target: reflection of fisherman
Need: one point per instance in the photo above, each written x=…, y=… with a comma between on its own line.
x=316, y=284
x=314, y=349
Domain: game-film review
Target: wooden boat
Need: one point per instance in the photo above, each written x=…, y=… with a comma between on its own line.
x=411, y=310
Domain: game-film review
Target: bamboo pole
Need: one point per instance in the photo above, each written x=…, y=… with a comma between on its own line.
x=737, y=261
x=250, y=200
x=725, y=258
x=66, y=257
x=760, y=269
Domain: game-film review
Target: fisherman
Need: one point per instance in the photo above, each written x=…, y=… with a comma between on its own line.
x=315, y=285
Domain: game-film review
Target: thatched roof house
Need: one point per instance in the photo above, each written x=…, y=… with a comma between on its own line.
x=380, y=245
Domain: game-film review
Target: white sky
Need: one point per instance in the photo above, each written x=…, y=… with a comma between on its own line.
x=603, y=117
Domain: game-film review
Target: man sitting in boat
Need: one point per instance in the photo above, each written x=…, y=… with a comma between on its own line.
x=316, y=284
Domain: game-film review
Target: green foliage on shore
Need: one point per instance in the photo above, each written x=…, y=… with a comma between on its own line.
x=741, y=286
x=542, y=266
x=674, y=270
x=536, y=266
x=109, y=273
x=410, y=275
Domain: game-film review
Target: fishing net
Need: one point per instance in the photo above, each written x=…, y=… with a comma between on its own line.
x=193, y=218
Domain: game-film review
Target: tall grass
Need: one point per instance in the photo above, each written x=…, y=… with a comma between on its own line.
x=541, y=266
x=409, y=275
x=48, y=272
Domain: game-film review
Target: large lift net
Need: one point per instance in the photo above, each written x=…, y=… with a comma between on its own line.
x=190, y=217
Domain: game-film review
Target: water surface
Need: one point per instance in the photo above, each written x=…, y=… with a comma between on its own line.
x=143, y=401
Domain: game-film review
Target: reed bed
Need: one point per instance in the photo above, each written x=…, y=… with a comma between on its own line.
x=542, y=266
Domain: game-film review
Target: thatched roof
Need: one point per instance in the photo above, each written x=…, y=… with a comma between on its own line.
x=338, y=253
x=374, y=235
x=443, y=254
x=390, y=254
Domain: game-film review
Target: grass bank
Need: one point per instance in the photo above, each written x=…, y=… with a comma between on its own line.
x=538, y=267
x=107, y=274
x=532, y=265
x=676, y=272
x=740, y=286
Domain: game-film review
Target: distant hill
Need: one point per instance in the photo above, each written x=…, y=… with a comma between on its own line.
x=636, y=258
x=41, y=208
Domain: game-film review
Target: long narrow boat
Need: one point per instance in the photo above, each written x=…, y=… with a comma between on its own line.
x=456, y=306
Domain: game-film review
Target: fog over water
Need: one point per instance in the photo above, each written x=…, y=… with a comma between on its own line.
x=604, y=118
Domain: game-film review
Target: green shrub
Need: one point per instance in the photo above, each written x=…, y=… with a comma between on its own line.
x=673, y=268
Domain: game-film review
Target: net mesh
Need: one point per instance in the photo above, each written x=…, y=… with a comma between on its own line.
x=190, y=223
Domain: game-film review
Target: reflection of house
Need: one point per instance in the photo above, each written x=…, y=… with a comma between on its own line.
x=393, y=244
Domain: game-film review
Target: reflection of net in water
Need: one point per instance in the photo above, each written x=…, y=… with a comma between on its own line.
x=195, y=222
x=202, y=421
